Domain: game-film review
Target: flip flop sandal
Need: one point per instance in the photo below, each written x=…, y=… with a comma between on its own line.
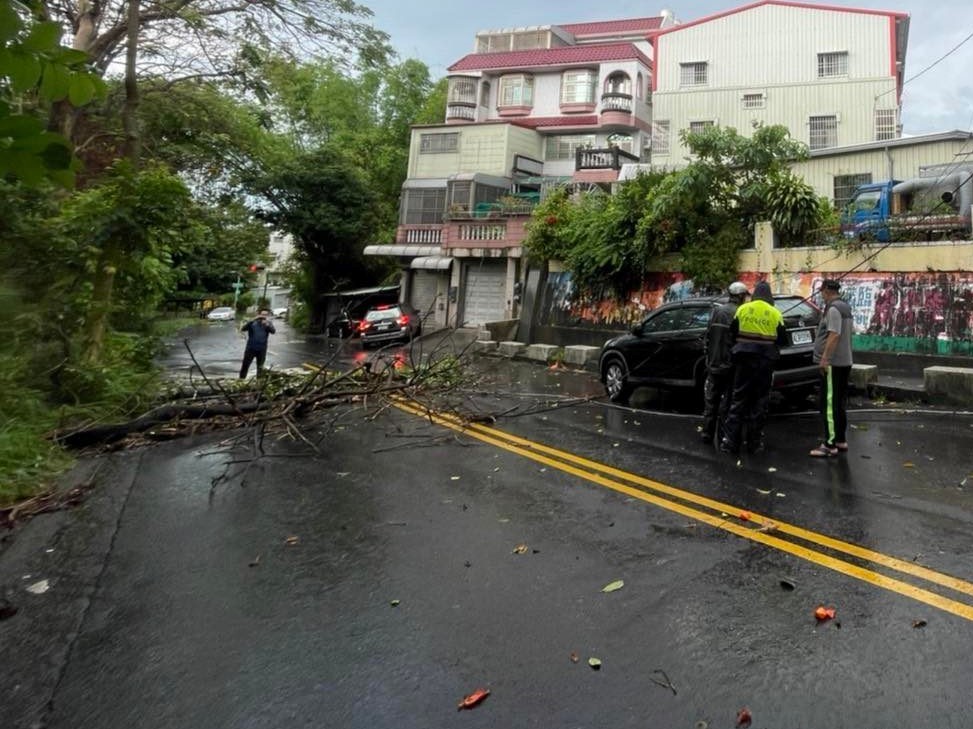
x=823, y=451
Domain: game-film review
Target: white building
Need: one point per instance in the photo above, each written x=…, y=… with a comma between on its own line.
x=831, y=75
x=576, y=103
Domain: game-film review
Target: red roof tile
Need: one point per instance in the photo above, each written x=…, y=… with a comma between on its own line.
x=550, y=57
x=532, y=122
x=633, y=25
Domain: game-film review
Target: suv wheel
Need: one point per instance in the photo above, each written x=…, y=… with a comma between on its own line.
x=615, y=377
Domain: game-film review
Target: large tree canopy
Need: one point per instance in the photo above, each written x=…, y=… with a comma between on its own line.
x=203, y=38
x=705, y=212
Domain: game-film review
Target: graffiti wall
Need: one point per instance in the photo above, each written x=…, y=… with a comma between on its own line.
x=930, y=313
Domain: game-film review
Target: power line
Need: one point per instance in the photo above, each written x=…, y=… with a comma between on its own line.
x=931, y=65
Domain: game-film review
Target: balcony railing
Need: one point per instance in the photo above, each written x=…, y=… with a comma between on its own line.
x=461, y=111
x=481, y=231
x=614, y=101
x=490, y=210
x=602, y=159
x=423, y=234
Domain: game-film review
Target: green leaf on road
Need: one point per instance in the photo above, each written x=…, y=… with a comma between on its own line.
x=595, y=663
x=613, y=586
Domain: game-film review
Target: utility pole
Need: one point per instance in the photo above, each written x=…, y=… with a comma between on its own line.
x=236, y=291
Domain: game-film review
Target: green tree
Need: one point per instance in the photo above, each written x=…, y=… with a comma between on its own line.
x=127, y=231
x=36, y=71
x=326, y=203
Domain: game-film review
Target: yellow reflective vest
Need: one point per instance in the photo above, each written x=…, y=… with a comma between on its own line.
x=758, y=321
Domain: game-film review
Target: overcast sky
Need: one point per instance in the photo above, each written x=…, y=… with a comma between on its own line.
x=440, y=32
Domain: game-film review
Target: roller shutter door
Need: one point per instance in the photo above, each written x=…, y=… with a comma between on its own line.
x=486, y=284
x=425, y=289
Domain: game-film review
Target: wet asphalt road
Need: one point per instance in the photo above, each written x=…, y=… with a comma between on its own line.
x=173, y=604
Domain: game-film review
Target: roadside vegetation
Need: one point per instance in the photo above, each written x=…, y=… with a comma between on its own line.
x=134, y=196
x=695, y=219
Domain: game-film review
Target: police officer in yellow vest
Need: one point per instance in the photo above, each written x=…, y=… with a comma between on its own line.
x=758, y=332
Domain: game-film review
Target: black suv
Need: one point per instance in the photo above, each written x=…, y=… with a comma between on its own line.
x=666, y=349
x=390, y=323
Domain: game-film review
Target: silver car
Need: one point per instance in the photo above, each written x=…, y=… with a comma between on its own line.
x=222, y=313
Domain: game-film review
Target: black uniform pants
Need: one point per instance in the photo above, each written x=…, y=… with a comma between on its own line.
x=249, y=355
x=753, y=376
x=716, y=402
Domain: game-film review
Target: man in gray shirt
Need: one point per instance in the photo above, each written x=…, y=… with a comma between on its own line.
x=832, y=353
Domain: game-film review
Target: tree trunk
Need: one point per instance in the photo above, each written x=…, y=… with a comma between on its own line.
x=133, y=140
x=100, y=307
x=111, y=255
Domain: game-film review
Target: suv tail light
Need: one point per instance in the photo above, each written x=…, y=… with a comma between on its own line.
x=363, y=325
x=403, y=320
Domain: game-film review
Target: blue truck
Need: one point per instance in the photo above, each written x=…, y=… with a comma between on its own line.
x=936, y=205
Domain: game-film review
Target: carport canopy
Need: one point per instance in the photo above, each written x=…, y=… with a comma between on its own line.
x=432, y=263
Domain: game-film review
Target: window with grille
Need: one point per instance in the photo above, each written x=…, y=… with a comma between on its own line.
x=530, y=39
x=699, y=126
x=832, y=64
x=692, y=74
x=886, y=124
x=822, y=132
x=565, y=146
x=493, y=43
x=438, y=143
x=423, y=206
x=578, y=87
x=845, y=185
x=462, y=90
x=516, y=91
x=753, y=101
x=660, y=138
x=485, y=94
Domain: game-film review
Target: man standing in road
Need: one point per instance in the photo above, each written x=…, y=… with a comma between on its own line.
x=758, y=330
x=719, y=365
x=832, y=353
x=258, y=333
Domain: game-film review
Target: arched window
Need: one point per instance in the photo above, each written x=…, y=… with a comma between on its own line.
x=618, y=83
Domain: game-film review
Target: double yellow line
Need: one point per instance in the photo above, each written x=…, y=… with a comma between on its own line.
x=746, y=524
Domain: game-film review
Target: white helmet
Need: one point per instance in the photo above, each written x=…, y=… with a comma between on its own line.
x=737, y=289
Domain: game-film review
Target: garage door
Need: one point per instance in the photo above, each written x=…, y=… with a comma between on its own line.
x=425, y=289
x=485, y=300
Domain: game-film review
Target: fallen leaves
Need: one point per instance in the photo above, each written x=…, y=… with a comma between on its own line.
x=919, y=623
x=39, y=587
x=520, y=549
x=574, y=657
x=744, y=717
x=473, y=699
x=292, y=540
x=823, y=613
x=595, y=663
x=613, y=586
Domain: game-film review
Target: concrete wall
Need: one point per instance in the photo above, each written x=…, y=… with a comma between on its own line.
x=905, y=297
x=773, y=49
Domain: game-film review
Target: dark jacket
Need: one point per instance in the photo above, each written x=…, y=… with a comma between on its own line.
x=258, y=332
x=718, y=341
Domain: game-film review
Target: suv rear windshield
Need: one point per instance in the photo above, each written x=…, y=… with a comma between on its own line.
x=375, y=314
x=797, y=308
